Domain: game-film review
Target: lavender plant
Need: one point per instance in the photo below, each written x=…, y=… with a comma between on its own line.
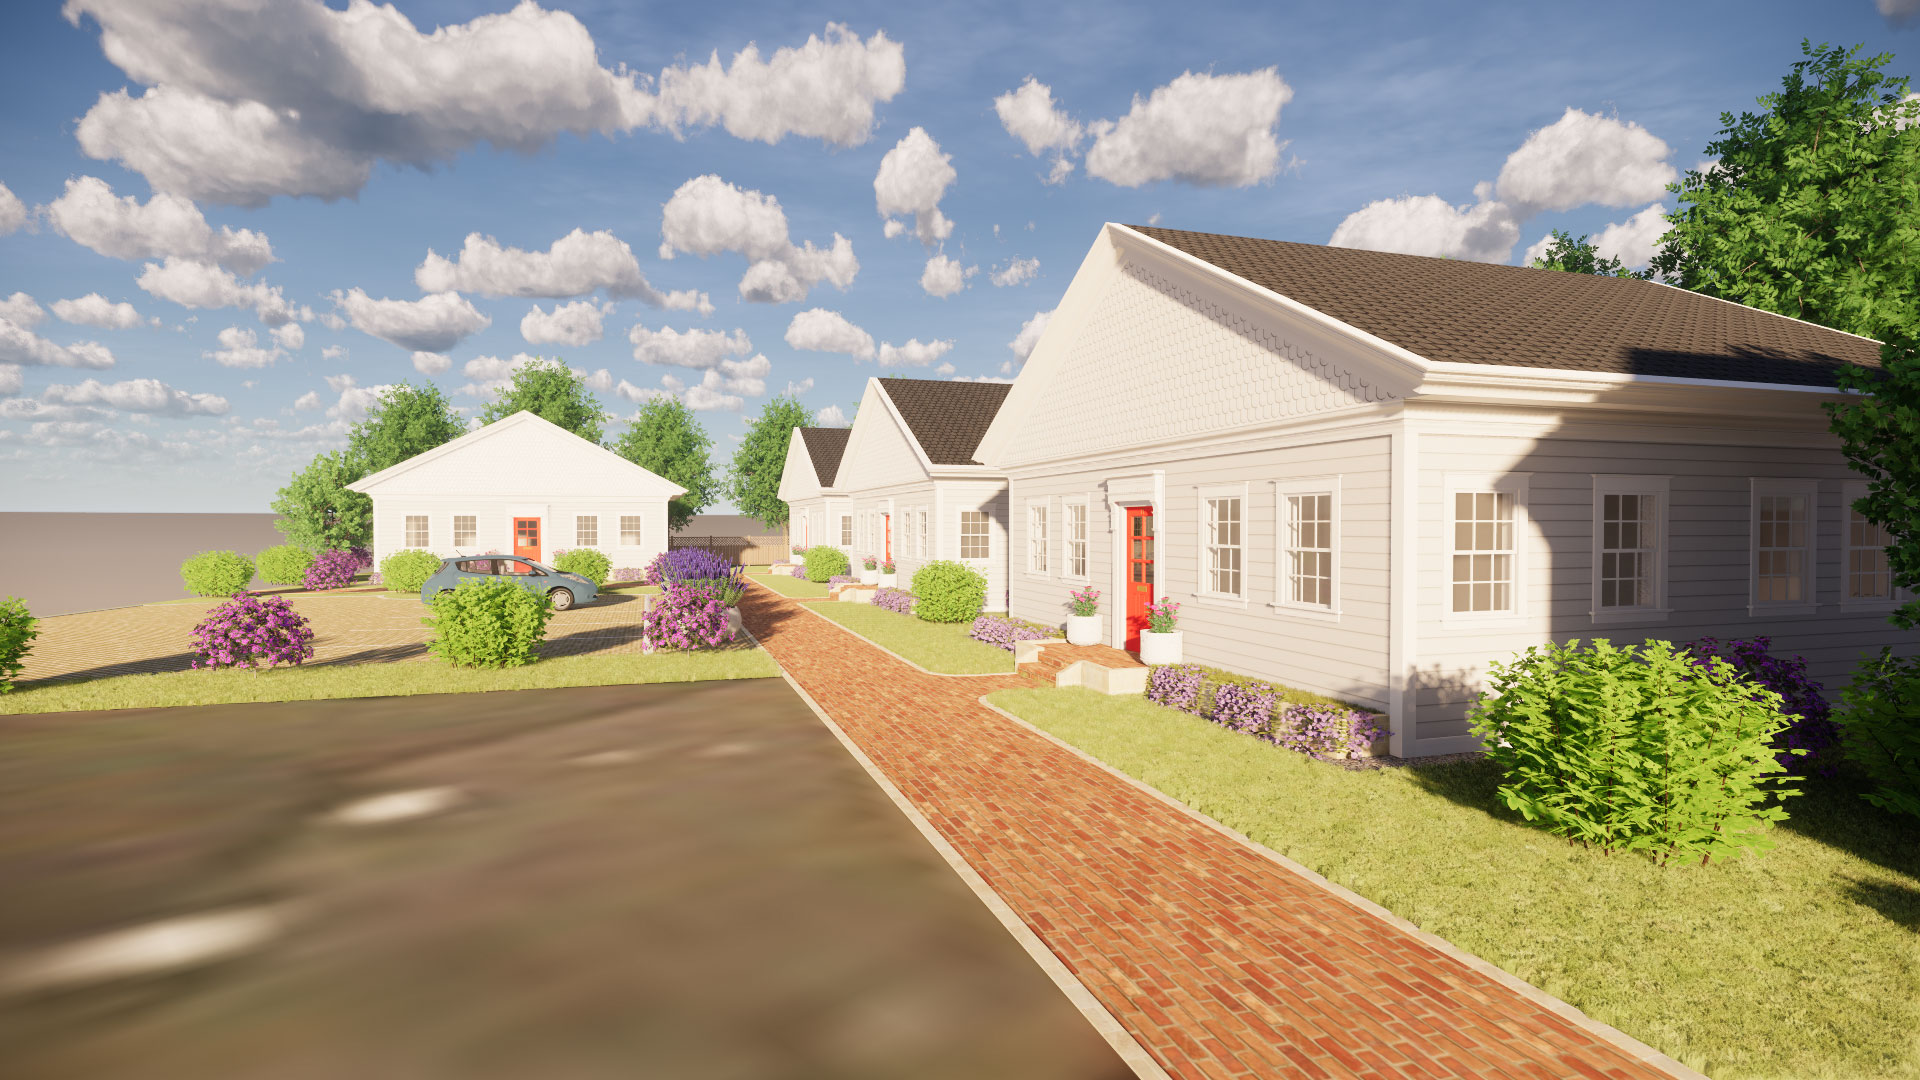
x=899, y=601
x=1002, y=632
x=1177, y=686
x=251, y=632
x=331, y=570
x=1244, y=707
x=685, y=617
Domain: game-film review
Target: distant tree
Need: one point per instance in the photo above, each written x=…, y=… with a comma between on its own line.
x=666, y=439
x=316, y=510
x=1880, y=434
x=1813, y=207
x=1580, y=257
x=547, y=389
x=406, y=420
x=754, y=478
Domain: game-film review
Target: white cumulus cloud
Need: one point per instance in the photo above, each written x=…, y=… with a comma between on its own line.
x=945, y=276
x=20, y=345
x=578, y=323
x=1429, y=225
x=195, y=284
x=434, y=323
x=915, y=353
x=96, y=310
x=308, y=401
x=831, y=416
x=431, y=363
x=290, y=336
x=574, y=265
x=707, y=216
x=820, y=330
x=1210, y=130
x=824, y=89
x=10, y=380
x=240, y=348
x=21, y=310
x=1029, y=335
x=13, y=212
x=1018, y=272
x=136, y=396
x=913, y=178
x=693, y=348
x=90, y=215
x=1583, y=158
x=1634, y=241
x=1030, y=115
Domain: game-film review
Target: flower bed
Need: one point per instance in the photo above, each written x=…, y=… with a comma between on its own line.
x=842, y=579
x=895, y=600
x=1001, y=631
x=1319, y=729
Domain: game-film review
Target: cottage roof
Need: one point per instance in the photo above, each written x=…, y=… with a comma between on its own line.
x=946, y=418
x=825, y=445
x=1481, y=313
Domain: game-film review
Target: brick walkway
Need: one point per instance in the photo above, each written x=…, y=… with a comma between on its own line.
x=1220, y=962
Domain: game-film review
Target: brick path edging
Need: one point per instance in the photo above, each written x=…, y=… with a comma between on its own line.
x=807, y=606
x=1605, y=1032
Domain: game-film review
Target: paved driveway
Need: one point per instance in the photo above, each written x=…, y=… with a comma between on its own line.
x=690, y=881
x=349, y=628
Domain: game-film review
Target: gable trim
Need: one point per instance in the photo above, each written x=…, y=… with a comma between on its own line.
x=366, y=484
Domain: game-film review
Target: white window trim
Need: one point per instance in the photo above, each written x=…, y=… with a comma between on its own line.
x=639, y=530
x=1810, y=581
x=1851, y=492
x=1517, y=485
x=1086, y=524
x=1661, y=488
x=845, y=532
x=960, y=534
x=1306, y=485
x=406, y=532
x=1203, y=587
x=577, y=519
x=472, y=541
x=1044, y=550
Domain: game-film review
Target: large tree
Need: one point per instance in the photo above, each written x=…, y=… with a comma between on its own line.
x=754, y=478
x=316, y=510
x=1880, y=433
x=1581, y=257
x=666, y=439
x=1813, y=206
x=404, y=421
x=549, y=390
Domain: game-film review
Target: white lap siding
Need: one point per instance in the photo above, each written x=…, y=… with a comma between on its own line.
x=494, y=519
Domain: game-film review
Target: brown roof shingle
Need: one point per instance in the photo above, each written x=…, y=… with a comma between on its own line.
x=948, y=419
x=824, y=446
x=1481, y=313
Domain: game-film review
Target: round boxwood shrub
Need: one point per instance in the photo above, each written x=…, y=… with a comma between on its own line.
x=586, y=562
x=16, y=639
x=825, y=563
x=948, y=592
x=334, y=569
x=487, y=622
x=284, y=564
x=408, y=571
x=252, y=632
x=217, y=573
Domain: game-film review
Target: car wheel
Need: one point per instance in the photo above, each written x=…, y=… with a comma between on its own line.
x=562, y=599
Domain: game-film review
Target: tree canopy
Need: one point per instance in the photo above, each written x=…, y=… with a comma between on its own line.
x=666, y=439
x=406, y=420
x=1580, y=257
x=754, y=478
x=1813, y=207
x=549, y=390
x=316, y=510
x=1880, y=433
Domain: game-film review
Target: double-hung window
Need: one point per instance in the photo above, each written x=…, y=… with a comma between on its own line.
x=1630, y=547
x=920, y=544
x=465, y=530
x=1486, y=523
x=1868, y=577
x=417, y=534
x=630, y=530
x=1308, y=571
x=846, y=530
x=975, y=542
x=1037, y=536
x=1782, y=529
x=1073, y=548
x=1222, y=542
x=586, y=531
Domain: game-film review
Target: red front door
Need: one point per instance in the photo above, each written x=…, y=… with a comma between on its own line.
x=526, y=538
x=889, y=520
x=1139, y=554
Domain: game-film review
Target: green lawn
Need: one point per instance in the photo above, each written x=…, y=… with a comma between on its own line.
x=1804, y=963
x=944, y=648
x=386, y=680
x=791, y=586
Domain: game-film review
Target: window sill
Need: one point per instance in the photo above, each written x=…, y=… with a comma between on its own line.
x=1868, y=607
x=1230, y=603
x=1629, y=616
x=1302, y=611
x=1759, y=610
x=1477, y=619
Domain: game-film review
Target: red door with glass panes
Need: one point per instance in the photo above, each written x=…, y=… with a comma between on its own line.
x=1139, y=553
x=888, y=557
x=526, y=538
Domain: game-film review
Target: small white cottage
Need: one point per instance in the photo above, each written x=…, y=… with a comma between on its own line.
x=807, y=487
x=521, y=486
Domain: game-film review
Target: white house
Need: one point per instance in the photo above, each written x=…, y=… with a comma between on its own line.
x=521, y=486
x=1368, y=475
x=807, y=487
x=910, y=488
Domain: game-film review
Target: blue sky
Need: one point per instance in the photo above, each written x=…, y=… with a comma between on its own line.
x=215, y=240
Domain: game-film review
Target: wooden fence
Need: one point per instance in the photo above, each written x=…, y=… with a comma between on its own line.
x=744, y=550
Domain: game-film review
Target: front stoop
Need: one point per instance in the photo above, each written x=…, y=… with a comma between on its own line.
x=853, y=593
x=1053, y=662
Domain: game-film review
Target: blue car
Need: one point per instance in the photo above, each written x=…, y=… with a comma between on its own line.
x=563, y=588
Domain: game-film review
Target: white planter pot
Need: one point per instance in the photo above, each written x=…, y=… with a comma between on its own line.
x=1158, y=649
x=734, y=625
x=889, y=581
x=869, y=577
x=1083, y=629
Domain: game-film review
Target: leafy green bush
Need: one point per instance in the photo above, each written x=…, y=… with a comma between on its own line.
x=487, y=622
x=1880, y=730
x=408, y=571
x=1636, y=749
x=217, y=573
x=586, y=562
x=284, y=564
x=948, y=592
x=16, y=639
x=825, y=563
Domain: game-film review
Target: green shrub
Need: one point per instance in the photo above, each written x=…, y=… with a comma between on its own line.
x=487, y=622
x=16, y=639
x=284, y=564
x=825, y=563
x=586, y=562
x=408, y=571
x=1880, y=730
x=217, y=573
x=948, y=592
x=1635, y=749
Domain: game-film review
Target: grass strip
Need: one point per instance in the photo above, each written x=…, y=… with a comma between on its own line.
x=1804, y=963
x=943, y=648
x=791, y=586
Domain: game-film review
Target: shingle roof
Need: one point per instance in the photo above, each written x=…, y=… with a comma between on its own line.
x=824, y=446
x=1481, y=313
x=948, y=419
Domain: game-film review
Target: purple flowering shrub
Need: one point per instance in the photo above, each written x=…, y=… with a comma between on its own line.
x=627, y=573
x=1001, y=632
x=1245, y=707
x=1811, y=728
x=1323, y=731
x=1255, y=708
x=252, y=632
x=332, y=570
x=363, y=557
x=899, y=601
x=1177, y=686
x=685, y=617
x=799, y=570
x=689, y=564
x=842, y=579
